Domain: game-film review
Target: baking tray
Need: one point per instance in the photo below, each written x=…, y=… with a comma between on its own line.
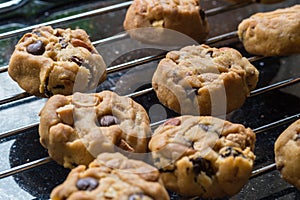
x=26, y=171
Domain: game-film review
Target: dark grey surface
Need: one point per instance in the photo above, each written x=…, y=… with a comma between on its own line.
x=257, y=111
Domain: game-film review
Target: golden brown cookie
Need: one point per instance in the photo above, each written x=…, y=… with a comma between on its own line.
x=203, y=80
x=184, y=16
x=51, y=61
x=287, y=154
x=76, y=128
x=112, y=176
x=203, y=156
x=275, y=33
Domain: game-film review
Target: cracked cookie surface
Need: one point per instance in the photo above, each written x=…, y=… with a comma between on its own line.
x=203, y=156
x=184, y=16
x=76, y=128
x=287, y=154
x=51, y=61
x=274, y=33
x=203, y=80
x=112, y=176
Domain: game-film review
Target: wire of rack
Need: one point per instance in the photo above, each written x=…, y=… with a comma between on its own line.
x=131, y=64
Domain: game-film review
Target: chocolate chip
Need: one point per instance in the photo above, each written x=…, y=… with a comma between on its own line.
x=138, y=197
x=108, y=120
x=76, y=60
x=204, y=127
x=191, y=93
x=47, y=92
x=38, y=33
x=298, y=137
x=36, y=48
x=210, y=53
x=63, y=43
x=87, y=183
x=59, y=87
x=229, y=151
x=202, y=14
x=173, y=121
x=202, y=165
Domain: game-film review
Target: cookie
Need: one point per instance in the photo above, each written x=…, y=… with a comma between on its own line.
x=51, y=61
x=183, y=16
x=275, y=33
x=257, y=1
x=203, y=156
x=287, y=154
x=76, y=128
x=203, y=80
x=112, y=176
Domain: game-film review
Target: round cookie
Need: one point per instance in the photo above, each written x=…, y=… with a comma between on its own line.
x=274, y=33
x=203, y=80
x=203, y=156
x=112, y=176
x=183, y=16
x=51, y=61
x=76, y=128
x=287, y=154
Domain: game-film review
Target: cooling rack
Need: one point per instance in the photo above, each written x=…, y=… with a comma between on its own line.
x=26, y=171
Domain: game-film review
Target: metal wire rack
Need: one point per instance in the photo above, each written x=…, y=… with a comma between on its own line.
x=10, y=103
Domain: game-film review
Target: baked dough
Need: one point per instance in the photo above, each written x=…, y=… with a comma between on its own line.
x=203, y=80
x=112, y=176
x=203, y=156
x=183, y=16
x=275, y=33
x=287, y=154
x=51, y=61
x=76, y=128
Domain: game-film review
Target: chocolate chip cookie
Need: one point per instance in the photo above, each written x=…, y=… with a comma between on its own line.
x=287, y=154
x=76, y=128
x=203, y=155
x=51, y=61
x=112, y=176
x=275, y=33
x=203, y=80
x=156, y=17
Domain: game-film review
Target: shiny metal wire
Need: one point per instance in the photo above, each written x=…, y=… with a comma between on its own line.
x=130, y=64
